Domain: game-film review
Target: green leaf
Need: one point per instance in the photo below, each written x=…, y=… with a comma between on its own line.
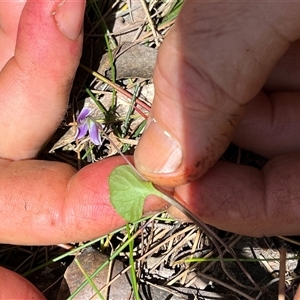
x=128, y=192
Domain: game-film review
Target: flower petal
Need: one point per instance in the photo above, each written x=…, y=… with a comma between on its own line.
x=85, y=112
x=81, y=131
x=94, y=133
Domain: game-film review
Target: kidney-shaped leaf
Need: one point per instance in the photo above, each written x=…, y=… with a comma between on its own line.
x=128, y=192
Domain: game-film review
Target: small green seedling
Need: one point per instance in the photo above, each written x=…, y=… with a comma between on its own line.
x=128, y=192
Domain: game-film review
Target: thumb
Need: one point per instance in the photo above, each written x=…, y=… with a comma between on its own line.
x=215, y=59
x=39, y=75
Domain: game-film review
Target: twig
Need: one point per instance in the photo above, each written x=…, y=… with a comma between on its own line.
x=151, y=24
x=119, y=89
x=281, y=285
x=66, y=246
x=288, y=239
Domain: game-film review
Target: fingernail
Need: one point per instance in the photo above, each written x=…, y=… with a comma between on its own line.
x=69, y=17
x=157, y=151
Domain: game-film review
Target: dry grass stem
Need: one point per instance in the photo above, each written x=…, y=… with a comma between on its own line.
x=281, y=287
x=151, y=23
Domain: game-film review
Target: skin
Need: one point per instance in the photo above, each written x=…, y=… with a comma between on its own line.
x=218, y=72
x=213, y=97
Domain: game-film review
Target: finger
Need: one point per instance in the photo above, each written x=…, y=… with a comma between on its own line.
x=38, y=197
x=247, y=201
x=297, y=296
x=285, y=75
x=215, y=59
x=9, y=19
x=14, y=286
x=270, y=125
x=35, y=83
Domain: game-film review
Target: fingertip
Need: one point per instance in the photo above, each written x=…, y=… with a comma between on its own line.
x=14, y=286
x=43, y=40
x=158, y=154
x=69, y=17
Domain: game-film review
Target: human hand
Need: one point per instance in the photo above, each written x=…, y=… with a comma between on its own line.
x=40, y=54
x=216, y=58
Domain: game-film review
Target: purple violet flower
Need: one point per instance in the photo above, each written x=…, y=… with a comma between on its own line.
x=85, y=124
